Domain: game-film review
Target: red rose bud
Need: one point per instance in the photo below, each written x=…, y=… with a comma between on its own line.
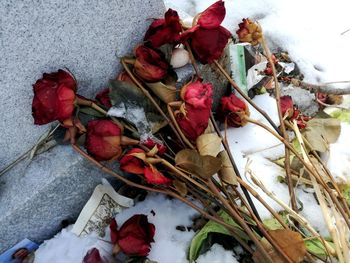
x=135, y=236
x=114, y=231
x=54, y=96
x=153, y=176
x=250, y=32
x=193, y=121
x=131, y=164
x=287, y=107
x=208, y=39
x=198, y=94
x=150, y=65
x=233, y=110
x=93, y=256
x=103, y=98
x=151, y=142
x=164, y=31
x=103, y=140
x=213, y=16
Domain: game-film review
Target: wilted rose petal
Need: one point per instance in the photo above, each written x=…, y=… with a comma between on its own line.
x=93, y=256
x=153, y=176
x=164, y=31
x=287, y=106
x=113, y=227
x=135, y=236
x=213, y=16
x=150, y=65
x=54, y=97
x=103, y=140
x=131, y=164
x=233, y=110
x=151, y=142
x=198, y=94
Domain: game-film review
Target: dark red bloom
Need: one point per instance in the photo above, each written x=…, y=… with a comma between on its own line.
x=103, y=140
x=135, y=236
x=198, y=94
x=131, y=164
x=164, y=31
x=151, y=142
x=193, y=121
x=103, y=98
x=93, y=256
x=150, y=65
x=153, y=176
x=208, y=38
x=233, y=110
x=54, y=97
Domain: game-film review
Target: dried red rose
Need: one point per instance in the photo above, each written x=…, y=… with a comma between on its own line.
x=198, y=94
x=268, y=69
x=136, y=235
x=208, y=38
x=93, y=256
x=287, y=106
x=54, y=97
x=153, y=176
x=103, y=98
x=151, y=142
x=233, y=110
x=193, y=121
x=103, y=140
x=249, y=31
x=150, y=65
x=164, y=31
x=131, y=164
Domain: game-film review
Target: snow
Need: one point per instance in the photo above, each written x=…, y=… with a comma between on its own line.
x=217, y=252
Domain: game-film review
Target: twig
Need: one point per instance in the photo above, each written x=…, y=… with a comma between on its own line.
x=251, y=102
x=330, y=105
x=323, y=88
x=283, y=128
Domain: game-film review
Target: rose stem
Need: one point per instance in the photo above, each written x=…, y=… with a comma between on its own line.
x=308, y=168
x=251, y=102
x=282, y=126
x=240, y=221
x=155, y=190
x=227, y=148
x=193, y=61
x=146, y=93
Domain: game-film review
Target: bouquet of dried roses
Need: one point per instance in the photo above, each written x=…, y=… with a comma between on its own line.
x=170, y=141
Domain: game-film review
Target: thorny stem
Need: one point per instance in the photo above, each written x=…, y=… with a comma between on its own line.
x=308, y=168
x=283, y=128
x=227, y=148
x=156, y=190
x=251, y=102
x=148, y=95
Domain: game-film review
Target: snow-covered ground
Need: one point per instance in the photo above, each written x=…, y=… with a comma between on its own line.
x=311, y=31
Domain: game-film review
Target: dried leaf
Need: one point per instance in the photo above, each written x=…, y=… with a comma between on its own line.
x=180, y=187
x=209, y=144
x=203, y=166
x=165, y=92
x=290, y=242
x=227, y=173
x=321, y=132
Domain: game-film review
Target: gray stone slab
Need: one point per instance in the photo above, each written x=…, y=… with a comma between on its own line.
x=41, y=36
x=54, y=187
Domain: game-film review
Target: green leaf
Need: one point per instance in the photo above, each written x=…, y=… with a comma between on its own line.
x=316, y=247
x=345, y=190
x=128, y=96
x=342, y=115
x=212, y=227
